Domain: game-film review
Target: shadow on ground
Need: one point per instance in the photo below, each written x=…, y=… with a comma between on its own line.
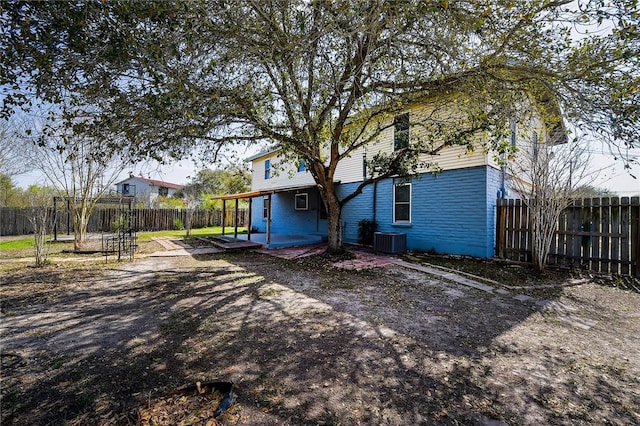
x=305, y=343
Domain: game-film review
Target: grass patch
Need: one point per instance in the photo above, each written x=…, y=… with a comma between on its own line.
x=21, y=244
x=21, y=247
x=199, y=232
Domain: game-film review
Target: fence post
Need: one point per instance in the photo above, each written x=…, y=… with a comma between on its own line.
x=635, y=236
x=500, y=228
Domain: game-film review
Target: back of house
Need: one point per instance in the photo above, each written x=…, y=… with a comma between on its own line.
x=449, y=206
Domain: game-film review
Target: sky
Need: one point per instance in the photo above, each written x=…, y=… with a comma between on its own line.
x=615, y=178
x=179, y=172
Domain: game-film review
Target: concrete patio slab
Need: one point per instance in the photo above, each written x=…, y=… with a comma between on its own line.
x=282, y=240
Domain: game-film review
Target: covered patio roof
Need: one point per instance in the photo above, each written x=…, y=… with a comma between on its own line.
x=260, y=193
x=253, y=194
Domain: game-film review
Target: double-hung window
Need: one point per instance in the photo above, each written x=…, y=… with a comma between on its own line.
x=402, y=203
x=265, y=207
x=267, y=169
x=401, y=131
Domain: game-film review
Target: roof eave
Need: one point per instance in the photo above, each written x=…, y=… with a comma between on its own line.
x=262, y=154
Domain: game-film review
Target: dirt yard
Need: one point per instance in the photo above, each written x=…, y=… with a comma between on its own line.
x=307, y=343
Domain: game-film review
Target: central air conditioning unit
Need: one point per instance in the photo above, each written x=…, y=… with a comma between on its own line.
x=389, y=242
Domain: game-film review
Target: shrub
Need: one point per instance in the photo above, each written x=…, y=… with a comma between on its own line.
x=178, y=224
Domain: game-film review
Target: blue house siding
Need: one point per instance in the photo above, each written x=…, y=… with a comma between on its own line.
x=355, y=210
x=285, y=219
x=453, y=212
x=450, y=213
x=494, y=183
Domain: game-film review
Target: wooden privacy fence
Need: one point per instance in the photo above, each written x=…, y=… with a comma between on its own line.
x=15, y=221
x=600, y=234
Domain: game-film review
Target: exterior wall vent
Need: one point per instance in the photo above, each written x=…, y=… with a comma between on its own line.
x=389, y=242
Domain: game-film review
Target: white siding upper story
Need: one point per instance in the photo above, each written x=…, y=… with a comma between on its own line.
x=351, y=169
x=280, y=174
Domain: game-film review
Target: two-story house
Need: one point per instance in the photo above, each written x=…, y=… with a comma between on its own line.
x=146, y=191
x=453, y=211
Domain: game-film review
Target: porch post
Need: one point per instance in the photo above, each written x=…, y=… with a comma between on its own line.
x=268, y=219
x=235, y=220
x=249, y=224
x=224, y=214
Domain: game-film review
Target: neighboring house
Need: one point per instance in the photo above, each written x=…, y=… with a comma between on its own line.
x=146, y=190
x=453, y=212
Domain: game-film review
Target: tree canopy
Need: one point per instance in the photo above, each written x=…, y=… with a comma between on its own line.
x=231, y=179
x=317, y=77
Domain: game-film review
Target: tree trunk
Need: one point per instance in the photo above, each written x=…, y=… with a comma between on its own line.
x=187, y=219
x=38, y=218
x=334, y=225
x=334, y=221
x=81, y=220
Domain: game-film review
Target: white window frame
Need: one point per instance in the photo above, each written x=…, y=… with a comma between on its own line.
x=265, y=207
x=305, y=197
x=403, y=202
x=267, y=169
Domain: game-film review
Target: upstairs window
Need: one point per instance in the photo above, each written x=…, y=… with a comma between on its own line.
x=401, y=131
x=364, y=167
x=267, y=169
x=125, y=188
x=302, y=166
x=163, y=191
x=402, y=203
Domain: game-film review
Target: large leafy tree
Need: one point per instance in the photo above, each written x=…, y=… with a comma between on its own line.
x=230, y=179
x=321, y=79
x=9, y=193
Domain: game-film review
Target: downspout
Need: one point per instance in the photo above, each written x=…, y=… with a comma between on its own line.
x=375, y=190
x=503, y=167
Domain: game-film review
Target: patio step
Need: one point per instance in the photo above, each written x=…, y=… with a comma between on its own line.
x=230, y=243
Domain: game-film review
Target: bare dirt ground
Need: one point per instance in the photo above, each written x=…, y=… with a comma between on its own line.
x=306, y=343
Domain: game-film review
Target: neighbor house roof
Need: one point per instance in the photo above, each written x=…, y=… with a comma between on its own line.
x=154, y=182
